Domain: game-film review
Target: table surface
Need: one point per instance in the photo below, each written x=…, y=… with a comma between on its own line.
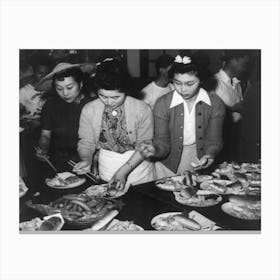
x=141, y=204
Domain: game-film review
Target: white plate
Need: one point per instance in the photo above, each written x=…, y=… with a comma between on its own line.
x=228, y=208
x=197, y=201
x=165, y=226
x=65, y=175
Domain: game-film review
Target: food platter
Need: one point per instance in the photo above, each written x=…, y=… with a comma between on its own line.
x=117, y=225
x=65, y=180
x=198, y=200
x=103, y=191
x=241, y=212
x=174, y=221
x=79, y=210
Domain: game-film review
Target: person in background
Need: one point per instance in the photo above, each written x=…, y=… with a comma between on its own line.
x=61, y=114
x=161, y=85
x=235, y=63
x=114, y=125
x=188, y=122
x=32, y=100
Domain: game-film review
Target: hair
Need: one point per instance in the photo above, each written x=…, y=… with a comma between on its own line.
x=74, y=72
x=111, y=75
x=164, y=61
x=198, y=67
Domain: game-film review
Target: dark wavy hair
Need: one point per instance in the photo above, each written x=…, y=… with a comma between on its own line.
x=111, y=75
x=74, y=72
x=198, y=67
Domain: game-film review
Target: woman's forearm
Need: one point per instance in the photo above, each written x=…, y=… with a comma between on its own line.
x=44, y=143
x=133, y=162
x=85, y=155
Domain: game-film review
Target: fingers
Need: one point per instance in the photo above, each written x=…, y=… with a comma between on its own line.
x=204, y=163
x=81, y=167
x=146, y=150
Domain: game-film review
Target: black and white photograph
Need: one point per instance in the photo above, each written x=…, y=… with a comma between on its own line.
x=140, y=140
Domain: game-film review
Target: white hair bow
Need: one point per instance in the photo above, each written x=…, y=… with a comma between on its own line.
x=184, y=60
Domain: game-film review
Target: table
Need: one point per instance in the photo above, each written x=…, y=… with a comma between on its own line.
x=141, y=204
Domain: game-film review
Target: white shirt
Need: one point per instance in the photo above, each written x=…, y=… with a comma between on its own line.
x=189, y=116
x=152, y=92
x=229, y=93
x=31, y=99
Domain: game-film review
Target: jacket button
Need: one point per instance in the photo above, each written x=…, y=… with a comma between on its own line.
x=181, y=137
x=182, y=114
x=199, y=126
x=201, y=149
x=199, y=114
x=200, y=138
x=181, y=126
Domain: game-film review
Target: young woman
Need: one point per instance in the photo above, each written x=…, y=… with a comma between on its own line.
x=61, y=114
x=115, y=125
x=188, y=122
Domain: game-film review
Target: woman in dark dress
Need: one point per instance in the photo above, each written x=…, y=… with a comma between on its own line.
x=61, y=114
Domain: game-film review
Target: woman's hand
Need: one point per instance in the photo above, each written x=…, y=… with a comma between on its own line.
x=204, y=163
x=82, y=167
x=190, y=178
x=119, y=178
x=41, y=154
x=146, y=150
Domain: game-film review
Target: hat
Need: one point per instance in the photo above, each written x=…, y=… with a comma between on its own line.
x=46, y=83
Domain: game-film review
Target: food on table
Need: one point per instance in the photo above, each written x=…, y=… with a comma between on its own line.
x=248, y=201
x=243, y=207
x=219, y=186
x=171, y=184
x=117, y=225
x=174, y=221
x=202, y=178
x=105, y=220
x=105, y=190
x=65, y=180
x=246, y=174
x=78, y=209
x=32, y=225
x=52, y=223
x=190, y=196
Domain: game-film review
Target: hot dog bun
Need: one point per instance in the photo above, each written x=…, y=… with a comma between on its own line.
x=186, y=222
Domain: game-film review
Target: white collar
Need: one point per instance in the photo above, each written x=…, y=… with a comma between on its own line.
x=225, y=78
x=201, y=96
